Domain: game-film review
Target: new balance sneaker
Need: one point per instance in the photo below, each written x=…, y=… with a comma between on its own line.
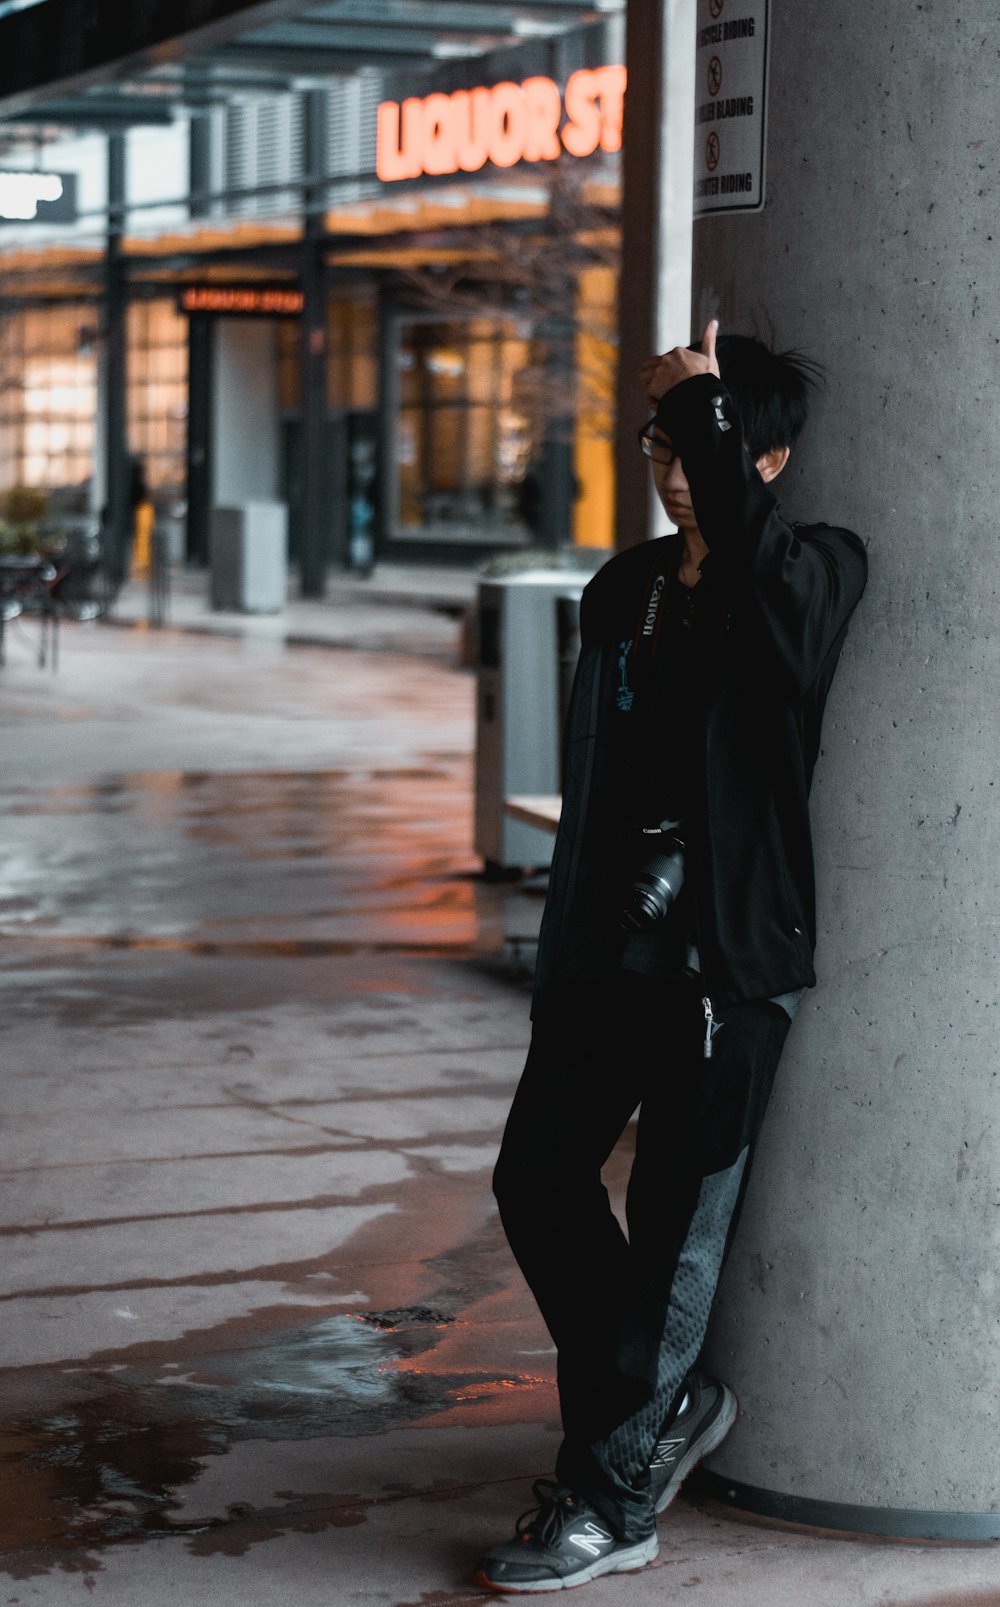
x=560, y=1543
x=709, y=1412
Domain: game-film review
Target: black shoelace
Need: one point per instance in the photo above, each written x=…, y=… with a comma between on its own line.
x=545, y=1522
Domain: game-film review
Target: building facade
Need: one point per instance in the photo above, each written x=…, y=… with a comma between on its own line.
x=407, y=278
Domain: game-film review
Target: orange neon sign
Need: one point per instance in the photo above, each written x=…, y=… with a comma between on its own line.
x=504, y=124
x=219, y=298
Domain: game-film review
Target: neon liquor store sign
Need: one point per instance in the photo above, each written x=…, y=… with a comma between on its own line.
x=504, y=124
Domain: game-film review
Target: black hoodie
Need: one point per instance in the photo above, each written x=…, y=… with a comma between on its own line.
x=782, y=599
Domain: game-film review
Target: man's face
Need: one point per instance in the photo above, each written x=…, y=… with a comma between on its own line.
x=670, y=480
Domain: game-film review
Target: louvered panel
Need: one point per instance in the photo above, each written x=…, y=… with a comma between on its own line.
x=240, y=155
x=272, y=142
x=274, y=155
x=371, y=93
x=342, y=128
x=296, y=138
x=218, y=119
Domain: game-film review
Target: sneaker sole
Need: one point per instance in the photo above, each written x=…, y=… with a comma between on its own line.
x=710, y=1441
x=621, y=1562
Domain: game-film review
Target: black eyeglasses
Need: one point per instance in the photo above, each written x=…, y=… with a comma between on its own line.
x=655, y=450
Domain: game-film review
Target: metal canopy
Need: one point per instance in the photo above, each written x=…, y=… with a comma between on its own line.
x=117, y=63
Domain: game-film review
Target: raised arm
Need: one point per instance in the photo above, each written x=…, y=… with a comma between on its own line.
x=806, y=581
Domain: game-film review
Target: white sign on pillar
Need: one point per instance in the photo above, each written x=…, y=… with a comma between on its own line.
x=730, y=119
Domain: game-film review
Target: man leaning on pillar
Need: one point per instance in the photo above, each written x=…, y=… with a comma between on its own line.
x=676, y=944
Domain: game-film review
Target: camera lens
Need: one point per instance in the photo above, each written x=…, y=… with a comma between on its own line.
x=653, y=889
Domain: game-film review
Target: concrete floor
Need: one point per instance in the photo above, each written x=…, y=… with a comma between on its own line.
x=260, y=1337
x=398, y=608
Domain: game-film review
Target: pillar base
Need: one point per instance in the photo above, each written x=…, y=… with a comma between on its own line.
x=892, y=1523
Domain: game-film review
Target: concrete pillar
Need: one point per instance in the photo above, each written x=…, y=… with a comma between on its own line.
x=246, y=421
x=858, y=1318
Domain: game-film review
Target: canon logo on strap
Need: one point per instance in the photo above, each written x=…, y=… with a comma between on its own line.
x=504, y=124
x=653, y=605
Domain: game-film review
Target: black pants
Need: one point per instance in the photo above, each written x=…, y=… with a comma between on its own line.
x=628, y=1316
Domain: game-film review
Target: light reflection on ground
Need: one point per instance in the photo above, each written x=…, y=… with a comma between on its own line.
x=243, y=1005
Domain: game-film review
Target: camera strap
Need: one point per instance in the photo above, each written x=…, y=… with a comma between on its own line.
x=667, y=688
x=644, y=695
x=653, y=608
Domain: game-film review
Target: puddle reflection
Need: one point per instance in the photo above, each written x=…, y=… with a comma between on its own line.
x=280, y=864
x=112, y=1467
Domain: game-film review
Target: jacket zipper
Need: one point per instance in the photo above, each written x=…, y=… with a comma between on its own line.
x=706, y=1005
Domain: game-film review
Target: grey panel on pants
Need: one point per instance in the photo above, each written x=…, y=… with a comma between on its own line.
x=629, y=1447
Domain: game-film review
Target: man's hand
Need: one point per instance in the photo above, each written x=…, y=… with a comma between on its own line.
x=660, y=374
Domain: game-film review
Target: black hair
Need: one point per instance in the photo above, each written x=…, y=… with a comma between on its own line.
x=770, y=390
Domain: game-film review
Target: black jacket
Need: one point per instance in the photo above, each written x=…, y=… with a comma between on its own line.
x=788, y=593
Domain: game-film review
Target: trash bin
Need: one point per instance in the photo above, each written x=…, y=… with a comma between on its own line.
x=249, y=558
x=527, y=652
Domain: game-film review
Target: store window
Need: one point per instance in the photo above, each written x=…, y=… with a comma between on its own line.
x=157, y=395
x=352, y=345
x=48, y=398
x=466, y=441
x=351, y=356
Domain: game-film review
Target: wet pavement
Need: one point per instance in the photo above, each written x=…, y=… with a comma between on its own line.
x=260, y=1336
x=397, y=608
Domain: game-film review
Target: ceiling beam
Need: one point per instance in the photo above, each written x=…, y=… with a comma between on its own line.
x=353, y=32
x=315, y=62
x=569, y=10
x=334, y=36
x=100, y=111
x=213, y=90
x=65, y=46
x=426, y=14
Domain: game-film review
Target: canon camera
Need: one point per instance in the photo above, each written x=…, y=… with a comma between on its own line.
x=657, y=877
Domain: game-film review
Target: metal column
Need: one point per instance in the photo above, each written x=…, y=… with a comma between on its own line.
x=117, y=512
x=199, y=436
x=558, y=331
x=313, y=273
x=558, y=483
x=199, y=165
